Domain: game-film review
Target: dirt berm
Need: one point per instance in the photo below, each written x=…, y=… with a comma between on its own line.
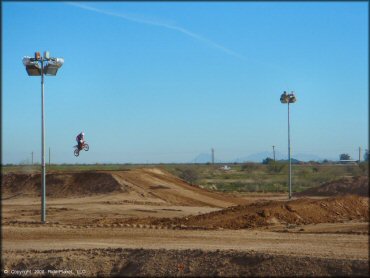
x=348, y=185
x=60, y=184
x=265, y=213
x=173, y=263
x=145, y=184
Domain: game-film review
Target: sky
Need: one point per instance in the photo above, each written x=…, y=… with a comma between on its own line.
x=162, y=82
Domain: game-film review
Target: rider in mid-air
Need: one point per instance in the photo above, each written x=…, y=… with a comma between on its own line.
x=80, y=140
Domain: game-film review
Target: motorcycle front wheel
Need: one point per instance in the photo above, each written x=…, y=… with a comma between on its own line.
x=86, y=147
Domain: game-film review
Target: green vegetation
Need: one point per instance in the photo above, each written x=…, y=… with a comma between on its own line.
x=246, y=177
x=270, y=177
x=344, y=156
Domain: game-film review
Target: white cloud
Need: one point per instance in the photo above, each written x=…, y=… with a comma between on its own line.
x=167, y=25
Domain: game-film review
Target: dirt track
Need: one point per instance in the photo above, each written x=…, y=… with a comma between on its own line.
x=171, y=220
x=350, y=246
x=173, y=263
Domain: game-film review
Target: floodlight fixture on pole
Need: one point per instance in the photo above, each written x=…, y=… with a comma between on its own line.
x=289, y=98
x=41, y=66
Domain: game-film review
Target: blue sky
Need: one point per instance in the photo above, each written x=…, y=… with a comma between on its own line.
x=164, y=82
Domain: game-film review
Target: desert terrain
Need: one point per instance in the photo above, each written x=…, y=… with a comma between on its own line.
x=149, y=222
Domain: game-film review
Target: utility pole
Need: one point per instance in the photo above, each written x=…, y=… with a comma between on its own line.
x=273, y=150
x=213, y=156
x=49, y=156
x=31, y=158
x=359, y=154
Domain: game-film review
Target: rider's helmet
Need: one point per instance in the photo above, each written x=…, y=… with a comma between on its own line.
x=83, y=134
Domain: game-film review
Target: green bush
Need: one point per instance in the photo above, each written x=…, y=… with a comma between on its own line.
x=364, y=167
x=267, y=160
x=353, y=170
x=249, y=167
x=189, y=174
x=315, y=169
x=276, y=167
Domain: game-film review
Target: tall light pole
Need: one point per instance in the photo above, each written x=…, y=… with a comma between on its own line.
x=289, y=98
x=41, y=66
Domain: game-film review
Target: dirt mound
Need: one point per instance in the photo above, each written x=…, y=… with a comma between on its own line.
x=60, y=184
x=349, y=185
x=159, y=184
x=144, y=185
x=298, y=212
x=120, y=262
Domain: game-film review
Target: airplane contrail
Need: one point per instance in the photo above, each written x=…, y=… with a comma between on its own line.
x=164, y=25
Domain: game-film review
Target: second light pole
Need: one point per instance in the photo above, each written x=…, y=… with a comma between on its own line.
x=41, y=66
x=289, y=98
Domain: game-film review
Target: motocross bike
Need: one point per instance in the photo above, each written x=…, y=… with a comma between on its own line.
x=84, y=147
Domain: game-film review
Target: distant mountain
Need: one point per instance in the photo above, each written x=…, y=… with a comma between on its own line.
x=308, y=157
x=258, y=157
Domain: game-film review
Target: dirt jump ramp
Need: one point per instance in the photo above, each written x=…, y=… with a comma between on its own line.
x=143, y=184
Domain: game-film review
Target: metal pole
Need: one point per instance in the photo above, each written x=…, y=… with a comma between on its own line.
x=31, y=158
x=273, y=150
x=359, y=154
x=43, y=176
x=49, y=156
x=290, y=161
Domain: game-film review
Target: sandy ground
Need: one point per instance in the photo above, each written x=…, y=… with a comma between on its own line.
x=174, y=263
x=325, y=245
x=101, y=234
